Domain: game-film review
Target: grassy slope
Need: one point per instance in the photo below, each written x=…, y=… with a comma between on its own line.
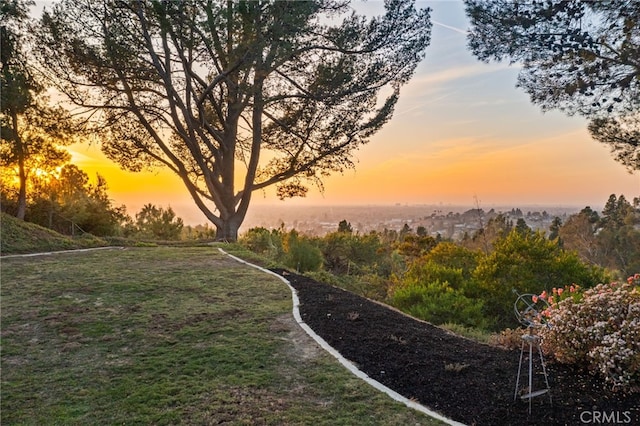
x=167, y=336
x=17, y=236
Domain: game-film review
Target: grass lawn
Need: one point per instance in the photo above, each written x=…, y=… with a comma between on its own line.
x=167, y=336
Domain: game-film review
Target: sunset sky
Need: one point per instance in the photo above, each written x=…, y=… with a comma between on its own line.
x=461, y=130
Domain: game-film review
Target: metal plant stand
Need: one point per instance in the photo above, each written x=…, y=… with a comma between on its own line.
x=527, y=310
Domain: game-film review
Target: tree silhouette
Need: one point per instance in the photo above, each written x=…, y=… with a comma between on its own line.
x=234, y=96
x=582, y=57
x=31, y=130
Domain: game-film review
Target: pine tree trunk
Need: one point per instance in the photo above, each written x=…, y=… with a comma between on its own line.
x=22, y=173
x=22, y=194
x=228, y=231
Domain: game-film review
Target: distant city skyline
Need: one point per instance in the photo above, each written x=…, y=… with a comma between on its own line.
x=446, y=220
x=461, y=131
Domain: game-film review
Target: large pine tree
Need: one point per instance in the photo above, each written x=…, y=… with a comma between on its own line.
x=234, y=96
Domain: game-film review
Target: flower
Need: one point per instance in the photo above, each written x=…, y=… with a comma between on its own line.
x=543, y=295
x=534, y=298
x=599, y=330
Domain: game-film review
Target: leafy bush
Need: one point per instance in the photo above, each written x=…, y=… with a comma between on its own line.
x=599, y=329
x=426, y=271
x=454, y=256
x=337, y=252
x=262, y=241
x=439, y=303
x=302, y=255
x=158, y=223
x=415, y=245
x=438, y=293
x=529, y=263
x=347, y=254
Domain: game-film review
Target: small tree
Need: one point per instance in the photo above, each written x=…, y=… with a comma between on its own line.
x=345, y=226
x=497, y=227
x=578, y=233
x=522, y=227
x=617, y=238
x=554, y=229
x=157, y=222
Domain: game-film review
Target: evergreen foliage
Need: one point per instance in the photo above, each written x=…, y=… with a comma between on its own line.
x=301, y=254
x=66, y=202
x=439, y=303
x=577, y=56
x=444, y=281
x=195, y=86
x=528, y=264
x=158, y=223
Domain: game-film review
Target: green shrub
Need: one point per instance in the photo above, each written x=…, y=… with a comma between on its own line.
x=599, y=330
x=302, y=255
x=347, y=254
x=371, y=286
x=454, y=256
x=439, y=303
x=529, y=263
x=262, y=241
x=427, y=271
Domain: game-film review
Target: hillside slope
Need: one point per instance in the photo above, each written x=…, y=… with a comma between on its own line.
x=17, y=236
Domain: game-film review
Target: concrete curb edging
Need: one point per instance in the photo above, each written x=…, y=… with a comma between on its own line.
x=49, y=253
x=346, y=363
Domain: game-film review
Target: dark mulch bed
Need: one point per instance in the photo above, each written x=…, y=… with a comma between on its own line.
x=419, y=361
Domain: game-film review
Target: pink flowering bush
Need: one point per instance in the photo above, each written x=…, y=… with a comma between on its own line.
x=599, y=329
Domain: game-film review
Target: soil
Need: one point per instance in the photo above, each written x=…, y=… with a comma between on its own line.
x=467, y=381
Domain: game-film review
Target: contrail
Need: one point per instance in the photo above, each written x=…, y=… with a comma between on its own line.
x=458, y=30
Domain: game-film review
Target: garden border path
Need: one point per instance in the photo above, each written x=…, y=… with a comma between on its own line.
x=346, y=363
